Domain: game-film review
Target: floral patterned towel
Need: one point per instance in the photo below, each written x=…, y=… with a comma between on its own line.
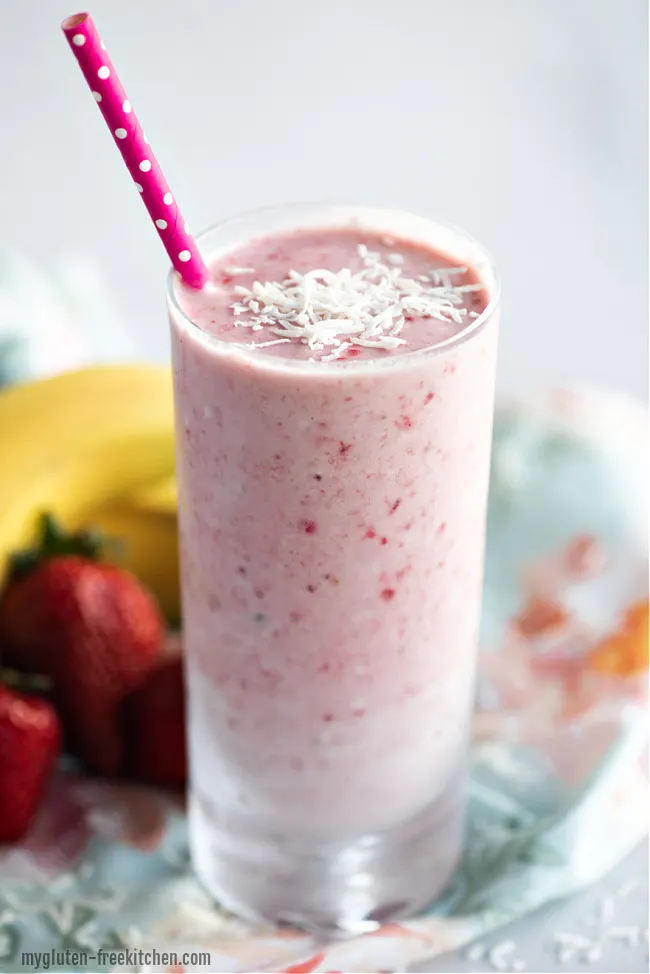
x=559, y=787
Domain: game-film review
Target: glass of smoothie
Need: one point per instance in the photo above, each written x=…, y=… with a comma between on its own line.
x=334, y=386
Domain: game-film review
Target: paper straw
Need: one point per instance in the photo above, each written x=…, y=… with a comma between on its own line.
x=112, y=102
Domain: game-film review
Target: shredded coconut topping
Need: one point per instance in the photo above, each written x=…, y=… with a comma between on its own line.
x=336, y=309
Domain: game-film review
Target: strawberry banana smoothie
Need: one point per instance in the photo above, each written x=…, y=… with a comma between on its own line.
x=334, y=392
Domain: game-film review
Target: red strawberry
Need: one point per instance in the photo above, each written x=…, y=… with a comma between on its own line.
x=30, y=741
x=154, y=716
x=20, y=631
x=93, y=630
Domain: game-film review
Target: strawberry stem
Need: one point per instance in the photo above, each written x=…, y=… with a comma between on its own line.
x=25, y=682
x=53, y=541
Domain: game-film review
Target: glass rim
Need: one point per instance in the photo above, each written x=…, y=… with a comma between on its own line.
x=276, y=362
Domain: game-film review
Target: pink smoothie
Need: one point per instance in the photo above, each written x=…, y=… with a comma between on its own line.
x=332, y=508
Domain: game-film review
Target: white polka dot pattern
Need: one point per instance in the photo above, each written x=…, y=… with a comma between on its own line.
x=130, y=139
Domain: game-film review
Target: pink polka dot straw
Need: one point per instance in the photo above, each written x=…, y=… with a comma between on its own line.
x=112, y=102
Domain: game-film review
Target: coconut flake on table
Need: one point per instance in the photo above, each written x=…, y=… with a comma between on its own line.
x=569, y=947
x=336, y=309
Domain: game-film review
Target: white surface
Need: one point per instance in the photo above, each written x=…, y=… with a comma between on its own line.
x=535, y=936
x=524, y=122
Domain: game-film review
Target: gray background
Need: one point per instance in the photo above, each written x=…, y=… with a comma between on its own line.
x=525, y=121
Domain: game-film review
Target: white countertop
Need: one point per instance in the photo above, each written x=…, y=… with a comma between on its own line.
x=534, y=936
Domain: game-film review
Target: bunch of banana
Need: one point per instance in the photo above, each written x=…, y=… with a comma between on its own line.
x=95, y=448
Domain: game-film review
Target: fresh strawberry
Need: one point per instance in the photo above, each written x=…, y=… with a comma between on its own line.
x=154, y=720
x=95, y=632
x=20, y=633
x=30, y=741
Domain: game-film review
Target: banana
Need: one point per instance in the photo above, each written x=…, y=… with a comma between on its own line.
x=160, y=497
x=79, y=407
x=77, y=445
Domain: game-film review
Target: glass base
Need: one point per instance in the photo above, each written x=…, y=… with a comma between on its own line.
x=333, y=889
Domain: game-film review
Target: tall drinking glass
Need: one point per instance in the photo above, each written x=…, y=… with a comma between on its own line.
x=332, y=519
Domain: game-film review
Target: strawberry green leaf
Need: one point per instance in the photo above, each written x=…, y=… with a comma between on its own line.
x=53, y=541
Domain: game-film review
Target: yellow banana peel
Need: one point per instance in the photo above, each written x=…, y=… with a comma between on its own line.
x=96, y=448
